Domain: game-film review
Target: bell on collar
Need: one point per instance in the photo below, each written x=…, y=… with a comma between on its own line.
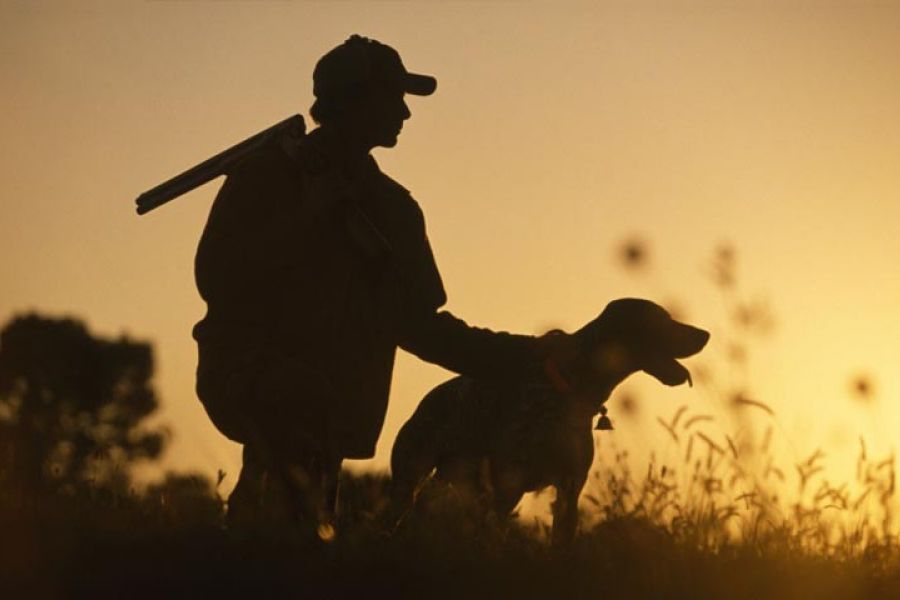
x=603, y=423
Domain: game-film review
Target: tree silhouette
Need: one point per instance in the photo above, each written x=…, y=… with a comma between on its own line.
x=72, y=405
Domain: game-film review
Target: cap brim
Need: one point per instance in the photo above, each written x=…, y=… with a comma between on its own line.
x=420, y=85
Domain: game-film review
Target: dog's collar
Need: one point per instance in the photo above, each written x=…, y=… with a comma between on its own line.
x=556, y=377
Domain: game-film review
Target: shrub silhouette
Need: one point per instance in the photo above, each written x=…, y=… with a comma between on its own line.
x=72, y=405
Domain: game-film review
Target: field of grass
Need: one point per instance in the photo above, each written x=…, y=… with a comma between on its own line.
x=660, y=535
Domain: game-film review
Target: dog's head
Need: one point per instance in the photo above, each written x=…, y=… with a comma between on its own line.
x=637, y=335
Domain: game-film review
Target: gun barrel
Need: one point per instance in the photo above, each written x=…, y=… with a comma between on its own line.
x=216, y=166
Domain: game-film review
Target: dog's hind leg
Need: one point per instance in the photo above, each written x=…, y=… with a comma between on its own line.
x=505, y=501
x=565, y=512
x=508, y=489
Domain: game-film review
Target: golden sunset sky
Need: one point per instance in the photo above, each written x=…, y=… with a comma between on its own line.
x=558, y=131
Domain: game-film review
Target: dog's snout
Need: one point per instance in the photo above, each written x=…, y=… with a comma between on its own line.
x=688, y=340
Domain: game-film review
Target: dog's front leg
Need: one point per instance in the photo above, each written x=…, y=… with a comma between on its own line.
x=565, y=513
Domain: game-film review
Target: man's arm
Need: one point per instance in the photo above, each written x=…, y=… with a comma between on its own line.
x=443, y=339
x=439, y=337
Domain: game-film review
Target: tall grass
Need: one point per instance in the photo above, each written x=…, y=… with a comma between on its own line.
x=673, y=533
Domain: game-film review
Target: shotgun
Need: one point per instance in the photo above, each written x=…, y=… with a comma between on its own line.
x=284, y=132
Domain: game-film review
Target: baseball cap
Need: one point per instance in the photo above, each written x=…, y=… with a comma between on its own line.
x=361, y=61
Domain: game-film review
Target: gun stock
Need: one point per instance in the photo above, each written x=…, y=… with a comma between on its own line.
x=217, y=165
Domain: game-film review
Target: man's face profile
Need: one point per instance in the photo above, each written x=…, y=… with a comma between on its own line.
x=383, y=114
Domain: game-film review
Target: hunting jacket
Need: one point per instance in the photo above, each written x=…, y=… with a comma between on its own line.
x=305, y=257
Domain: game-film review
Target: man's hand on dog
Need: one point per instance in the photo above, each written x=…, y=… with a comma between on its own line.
x=558, y=351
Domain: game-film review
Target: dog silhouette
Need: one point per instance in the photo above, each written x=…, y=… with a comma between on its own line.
x=501, y=439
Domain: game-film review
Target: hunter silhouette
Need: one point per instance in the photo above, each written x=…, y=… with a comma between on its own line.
x=315, y=267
